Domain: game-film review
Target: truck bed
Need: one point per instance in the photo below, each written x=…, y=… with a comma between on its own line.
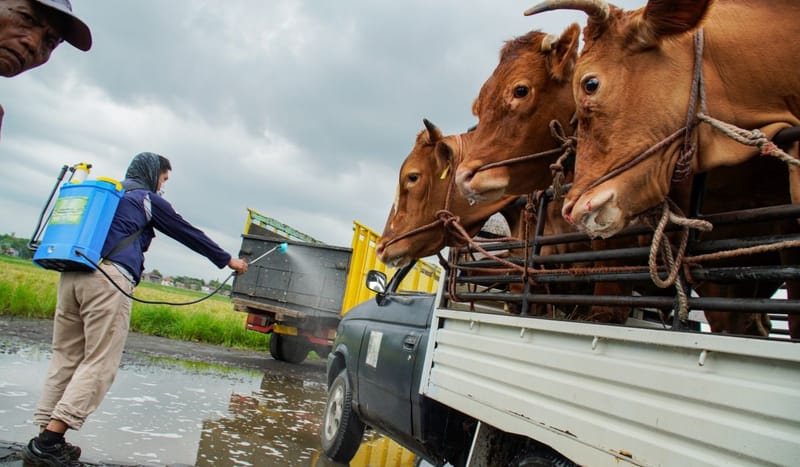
x=594, y=391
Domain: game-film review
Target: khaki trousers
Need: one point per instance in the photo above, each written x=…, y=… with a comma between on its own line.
x=90, y=326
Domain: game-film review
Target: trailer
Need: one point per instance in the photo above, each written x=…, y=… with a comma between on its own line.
x=482, y=386
x=299, y=297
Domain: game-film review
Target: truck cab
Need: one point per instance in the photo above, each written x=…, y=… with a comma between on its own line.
x=374, y=371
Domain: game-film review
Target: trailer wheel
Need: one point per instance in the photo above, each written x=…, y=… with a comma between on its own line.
x=341, y=428
x=275, y=347
x=293, y=349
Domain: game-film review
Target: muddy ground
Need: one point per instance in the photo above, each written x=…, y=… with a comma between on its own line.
x=37, y=331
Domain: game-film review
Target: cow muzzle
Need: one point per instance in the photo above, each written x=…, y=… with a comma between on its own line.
x=392, y=255
x=595, y=212
x=479, y=186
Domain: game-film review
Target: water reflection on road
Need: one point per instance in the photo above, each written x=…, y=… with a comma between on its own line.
x=276, y=424
x=166, y=411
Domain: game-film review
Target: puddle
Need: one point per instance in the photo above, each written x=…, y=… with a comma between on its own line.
x=165, y=411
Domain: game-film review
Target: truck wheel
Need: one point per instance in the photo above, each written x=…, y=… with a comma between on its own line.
x=275, y=346
x=341, y=428
x=293, y=349
x=540, y=457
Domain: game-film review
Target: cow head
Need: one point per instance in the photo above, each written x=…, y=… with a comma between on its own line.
x=424, y=188
x=631, y=87
x=528, y=89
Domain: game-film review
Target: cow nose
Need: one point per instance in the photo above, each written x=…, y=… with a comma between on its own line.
x=566, y=211
x=597, y=214
x=463, y=180
x=464, y=176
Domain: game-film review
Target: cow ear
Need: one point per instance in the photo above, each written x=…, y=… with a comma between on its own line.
x=666, y=18
x=562, y=52
x=445, y=158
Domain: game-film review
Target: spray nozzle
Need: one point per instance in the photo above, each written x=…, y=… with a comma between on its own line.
x=281, y=247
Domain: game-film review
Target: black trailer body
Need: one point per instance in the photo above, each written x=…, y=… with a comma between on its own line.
x=296, y=295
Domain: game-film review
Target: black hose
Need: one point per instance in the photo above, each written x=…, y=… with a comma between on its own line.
x=151, y=302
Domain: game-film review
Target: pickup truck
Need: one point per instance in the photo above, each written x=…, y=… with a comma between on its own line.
x=458, y=379
x=374, y=373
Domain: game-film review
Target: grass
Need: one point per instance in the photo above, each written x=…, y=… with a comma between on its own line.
x=30, y=292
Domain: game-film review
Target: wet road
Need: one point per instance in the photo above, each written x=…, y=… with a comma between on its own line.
x=176, y=403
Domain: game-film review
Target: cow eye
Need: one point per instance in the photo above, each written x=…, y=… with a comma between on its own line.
x=590, y=85
x=521, y=91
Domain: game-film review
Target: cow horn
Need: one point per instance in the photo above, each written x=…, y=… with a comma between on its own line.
x=598, y=10
x=548, y=42
x=434, y=133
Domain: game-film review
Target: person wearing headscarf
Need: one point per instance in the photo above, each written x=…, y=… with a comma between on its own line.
x=92, y=317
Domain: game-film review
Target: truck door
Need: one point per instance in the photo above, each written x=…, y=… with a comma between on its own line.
x=390, y=355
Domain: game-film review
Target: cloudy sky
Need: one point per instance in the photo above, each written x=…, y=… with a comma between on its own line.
x=302, y=110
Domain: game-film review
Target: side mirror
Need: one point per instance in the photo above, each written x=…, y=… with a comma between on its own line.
x=376, y=282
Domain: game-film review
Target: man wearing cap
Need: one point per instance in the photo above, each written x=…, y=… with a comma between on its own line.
x=31, y=29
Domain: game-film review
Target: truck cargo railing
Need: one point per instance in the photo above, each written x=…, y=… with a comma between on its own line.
x=489, y=279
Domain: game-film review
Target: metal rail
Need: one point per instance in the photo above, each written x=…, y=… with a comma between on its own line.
x=569, y=279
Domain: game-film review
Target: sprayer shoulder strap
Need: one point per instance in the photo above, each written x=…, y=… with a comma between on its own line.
x=148, y=212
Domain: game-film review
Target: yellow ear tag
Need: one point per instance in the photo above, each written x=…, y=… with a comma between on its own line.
x=445, y=172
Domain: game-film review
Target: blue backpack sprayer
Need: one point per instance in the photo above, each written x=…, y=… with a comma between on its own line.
x=72, y=230
x=77, y=222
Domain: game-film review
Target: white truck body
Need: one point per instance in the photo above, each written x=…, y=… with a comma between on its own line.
x=618, y=395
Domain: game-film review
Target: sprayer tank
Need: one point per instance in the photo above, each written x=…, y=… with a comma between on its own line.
x=79, y=222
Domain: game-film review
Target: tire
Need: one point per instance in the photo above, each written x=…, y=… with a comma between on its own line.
x=341, y=429
x=293, y=349
x=541, y=456
x=275, y=346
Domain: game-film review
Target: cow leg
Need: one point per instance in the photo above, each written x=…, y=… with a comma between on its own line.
x=751, y=324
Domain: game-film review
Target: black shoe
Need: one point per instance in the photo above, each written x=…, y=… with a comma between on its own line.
x=74, y=451
x=59, y=455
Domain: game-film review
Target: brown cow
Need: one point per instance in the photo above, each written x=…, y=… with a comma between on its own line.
x=424, y=188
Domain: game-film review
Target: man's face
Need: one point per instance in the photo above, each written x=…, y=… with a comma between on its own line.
x=27, y=36
x=162, y=179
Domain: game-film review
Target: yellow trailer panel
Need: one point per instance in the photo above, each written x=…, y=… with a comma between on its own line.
x=423, y=278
